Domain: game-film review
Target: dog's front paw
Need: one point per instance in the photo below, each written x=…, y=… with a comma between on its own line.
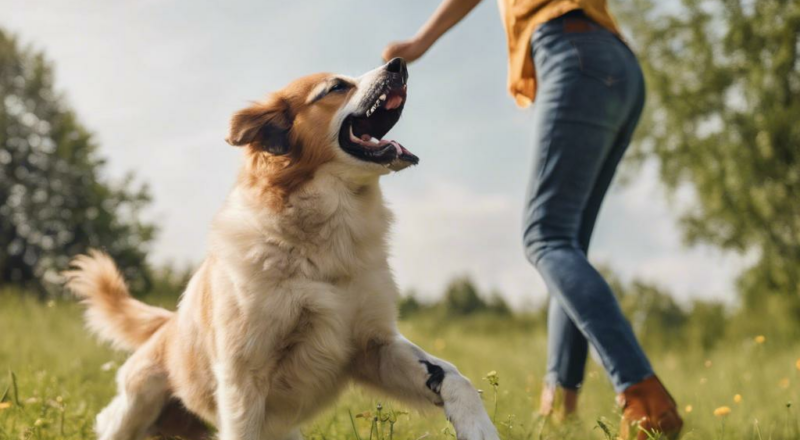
x=470, y=419
x=474, y=427
x=464, y=408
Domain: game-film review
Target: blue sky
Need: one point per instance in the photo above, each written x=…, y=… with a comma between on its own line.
x=157, y=80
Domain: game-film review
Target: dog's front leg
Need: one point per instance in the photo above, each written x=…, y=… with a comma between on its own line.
x=241, y=400
x=405, y=371
x=243, y=371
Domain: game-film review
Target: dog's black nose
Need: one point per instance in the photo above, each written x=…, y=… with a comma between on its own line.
x=398, y=65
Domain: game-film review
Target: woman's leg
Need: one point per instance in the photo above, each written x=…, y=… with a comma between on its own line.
x=567, y=347
x=579, y=120
x=567, y=350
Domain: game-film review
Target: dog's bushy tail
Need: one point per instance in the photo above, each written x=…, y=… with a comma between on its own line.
x=111, y=312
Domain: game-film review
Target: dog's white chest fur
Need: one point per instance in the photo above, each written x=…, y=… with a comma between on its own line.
x=330, y=232
x=300, y=280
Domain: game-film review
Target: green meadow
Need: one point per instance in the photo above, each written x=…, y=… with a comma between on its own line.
x=55, y=378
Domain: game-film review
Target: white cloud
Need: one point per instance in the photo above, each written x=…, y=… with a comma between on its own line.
x=448, y=230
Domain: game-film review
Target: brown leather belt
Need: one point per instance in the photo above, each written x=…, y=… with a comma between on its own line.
x=577, y=21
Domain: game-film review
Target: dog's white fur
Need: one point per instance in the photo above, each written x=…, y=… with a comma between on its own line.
x=295, y=299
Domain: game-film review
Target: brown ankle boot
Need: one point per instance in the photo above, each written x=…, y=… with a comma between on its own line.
x=562, y=399
x=648, y=405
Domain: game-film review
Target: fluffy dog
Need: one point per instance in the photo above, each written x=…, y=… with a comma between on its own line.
x=296, y=297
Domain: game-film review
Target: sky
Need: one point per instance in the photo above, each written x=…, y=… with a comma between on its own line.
x=157, y=81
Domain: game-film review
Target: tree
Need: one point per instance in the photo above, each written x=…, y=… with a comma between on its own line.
x=659, y=322
x=707, y=324
x=461, y=298
x=408, y=305
x=54, y=201
x=723, y=120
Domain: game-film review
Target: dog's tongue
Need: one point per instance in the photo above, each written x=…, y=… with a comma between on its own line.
x=393, y=102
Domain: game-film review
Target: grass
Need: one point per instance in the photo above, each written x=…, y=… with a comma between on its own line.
x=54, y=378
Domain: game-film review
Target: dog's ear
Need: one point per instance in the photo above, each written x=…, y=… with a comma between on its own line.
x=264, y=125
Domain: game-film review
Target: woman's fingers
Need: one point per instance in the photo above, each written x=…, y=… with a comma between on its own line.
x=409, y=50
x=396, y=49
x=389, y=51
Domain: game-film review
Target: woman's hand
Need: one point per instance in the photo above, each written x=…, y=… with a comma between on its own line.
x=446, y=16
x=410, y=50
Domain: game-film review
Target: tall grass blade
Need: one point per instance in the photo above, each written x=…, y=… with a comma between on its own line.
x=15, y=388
x=353, y=424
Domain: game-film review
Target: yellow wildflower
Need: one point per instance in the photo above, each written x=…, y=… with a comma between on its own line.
x=688, y=408
x=797, y=364
x=760, y=339
x=708, y=364
x=737, y=398
x=722, y=411
x=784, y=383
x=4, y=405
x=492, y=378
x=38, y=422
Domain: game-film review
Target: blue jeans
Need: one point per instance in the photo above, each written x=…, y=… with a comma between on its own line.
x=589, y=99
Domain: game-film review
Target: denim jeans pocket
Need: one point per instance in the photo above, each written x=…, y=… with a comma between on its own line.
x=601, y=58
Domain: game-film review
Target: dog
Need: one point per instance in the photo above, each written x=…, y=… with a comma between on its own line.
x=295, y=298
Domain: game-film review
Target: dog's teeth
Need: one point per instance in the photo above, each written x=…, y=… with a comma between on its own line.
x=383, y=97
x=372, y=109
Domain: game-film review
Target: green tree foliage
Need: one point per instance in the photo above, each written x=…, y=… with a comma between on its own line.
x=461, y=298
x=408, y=305
x=654, y=315
x=54, y=201
x=707, y=325
x=724, y=121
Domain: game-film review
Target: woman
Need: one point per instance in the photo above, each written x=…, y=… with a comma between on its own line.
x=589, y=93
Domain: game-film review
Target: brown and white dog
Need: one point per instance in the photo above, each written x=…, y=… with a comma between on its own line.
x=296, y=297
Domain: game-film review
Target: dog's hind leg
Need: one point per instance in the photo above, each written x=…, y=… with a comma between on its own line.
x=176, y=421
x=142, y=393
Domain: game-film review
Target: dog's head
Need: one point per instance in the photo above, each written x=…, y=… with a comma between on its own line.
x=325, y=118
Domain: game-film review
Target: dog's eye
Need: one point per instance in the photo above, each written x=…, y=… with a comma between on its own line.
x=338, y=86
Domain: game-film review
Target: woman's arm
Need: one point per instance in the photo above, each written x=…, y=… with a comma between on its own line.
x=447, y=15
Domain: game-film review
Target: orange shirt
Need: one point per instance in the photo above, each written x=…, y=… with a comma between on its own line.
x=520, y=19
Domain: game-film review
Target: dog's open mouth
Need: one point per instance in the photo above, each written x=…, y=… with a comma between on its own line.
x=362, y=133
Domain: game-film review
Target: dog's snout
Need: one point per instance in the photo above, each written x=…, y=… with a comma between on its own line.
x=398, y=65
